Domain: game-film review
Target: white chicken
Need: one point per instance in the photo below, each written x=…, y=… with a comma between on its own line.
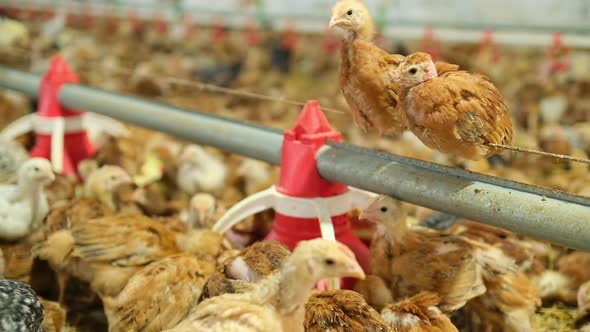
x=199, y=171
x=24, y=206
x=202, y=211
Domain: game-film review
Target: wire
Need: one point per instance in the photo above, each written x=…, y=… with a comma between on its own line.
x=242, y=93
x=247, y=94
x=537, y=152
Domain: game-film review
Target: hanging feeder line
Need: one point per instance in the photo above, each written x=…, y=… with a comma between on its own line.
x=554, y=216
x=206, y=87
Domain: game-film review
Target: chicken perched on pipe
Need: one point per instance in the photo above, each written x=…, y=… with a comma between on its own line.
x=363, y=68
x=455, y=112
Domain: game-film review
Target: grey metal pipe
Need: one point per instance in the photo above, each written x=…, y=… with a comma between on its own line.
x=541, y=213
x=20, y=81
x=546, y=214
x=232, y=136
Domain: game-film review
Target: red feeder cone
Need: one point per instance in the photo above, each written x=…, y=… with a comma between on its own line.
x=306, y=206
x=51, y=116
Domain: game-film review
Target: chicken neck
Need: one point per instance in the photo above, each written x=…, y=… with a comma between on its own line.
x=288, y=291
x=395, y=230
x=33, y=192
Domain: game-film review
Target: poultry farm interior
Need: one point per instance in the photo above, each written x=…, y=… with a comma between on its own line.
x=123, y=237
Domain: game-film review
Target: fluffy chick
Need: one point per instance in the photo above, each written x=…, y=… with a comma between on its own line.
x=563, y=284
x=276, y=303
x=18, y=261
x=417, y=259
x=523, y=252
x=251, y=265
x=457, y=113
x=23, y=206
x=341, y=311
x=102, y=183
x=200, y=171
x=363, y=69
x=203, y=211
x=418, y=314
x=106, y=252
x=175, y=282
x=511, y=298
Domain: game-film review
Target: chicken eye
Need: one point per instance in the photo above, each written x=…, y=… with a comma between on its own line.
x=113, y=178
x=384, y=209
x=329, y=261
x=349, y=12
x=413, y=71
x=36, y=169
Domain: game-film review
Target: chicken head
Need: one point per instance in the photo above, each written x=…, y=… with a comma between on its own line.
x=326, y=259
x=417, y=68
x=353, y=16
x=37, y=170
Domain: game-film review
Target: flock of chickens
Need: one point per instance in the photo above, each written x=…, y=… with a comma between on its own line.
x=130, y=248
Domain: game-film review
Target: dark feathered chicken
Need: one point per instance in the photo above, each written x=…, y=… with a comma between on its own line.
x=20, y=309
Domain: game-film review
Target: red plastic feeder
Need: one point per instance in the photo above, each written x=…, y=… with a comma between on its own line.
x=51, y=115
x=306, y=206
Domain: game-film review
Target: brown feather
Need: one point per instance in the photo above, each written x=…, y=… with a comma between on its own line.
x=175, y=282
x=418, y=314
x=456, y=113
x=341, y=311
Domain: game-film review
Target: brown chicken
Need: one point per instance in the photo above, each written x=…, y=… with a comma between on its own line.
x=103, y=182
x=65, y=216
x=456, y=112
x=411, y=260
x=63, y=188
x=251, y=265
x=276, y=303
x=528, y=259
x=106, y=252
x=418, y=314
x=175, y=284
x=573, y=270
x=341, y=311
x=363, y=69
x=511, y=298
x=17, y=261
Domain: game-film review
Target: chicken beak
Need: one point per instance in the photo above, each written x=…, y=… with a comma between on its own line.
x=366, y=215
x=50, y=177
x=356, y=271
x=334, y=22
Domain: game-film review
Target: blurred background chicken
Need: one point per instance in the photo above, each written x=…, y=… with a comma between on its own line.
x=135, y=56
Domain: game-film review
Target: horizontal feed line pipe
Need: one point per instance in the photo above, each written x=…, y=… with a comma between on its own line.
x=541, y=213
